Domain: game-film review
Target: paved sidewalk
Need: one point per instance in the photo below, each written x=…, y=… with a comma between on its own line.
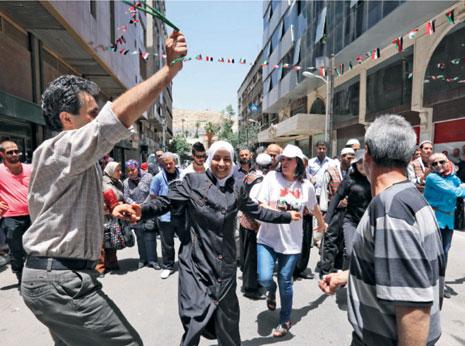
x=150, y=304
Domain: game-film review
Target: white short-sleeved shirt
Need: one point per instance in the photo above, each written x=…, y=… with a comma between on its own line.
x=278, y=193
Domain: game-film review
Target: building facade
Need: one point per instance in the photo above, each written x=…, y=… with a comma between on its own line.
x=370, y=75
x=40, y=41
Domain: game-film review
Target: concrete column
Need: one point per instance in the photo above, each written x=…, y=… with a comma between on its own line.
x=362, y=103
x=426, y=124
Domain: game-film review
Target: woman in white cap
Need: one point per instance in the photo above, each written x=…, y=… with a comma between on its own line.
x=208, y=305
x=286, y=189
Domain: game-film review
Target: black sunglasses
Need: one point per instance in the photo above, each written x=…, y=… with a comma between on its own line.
x=435, y=163
x=11, y=152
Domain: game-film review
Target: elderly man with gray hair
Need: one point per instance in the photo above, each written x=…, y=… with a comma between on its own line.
x=396, y=275
x=168, y=226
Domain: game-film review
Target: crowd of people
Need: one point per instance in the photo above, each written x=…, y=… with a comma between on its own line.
x=382, y=217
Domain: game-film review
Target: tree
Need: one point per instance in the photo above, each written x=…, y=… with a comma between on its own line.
x=210, y=130
x=180, y=146
x=197, y=125
x=227, y=133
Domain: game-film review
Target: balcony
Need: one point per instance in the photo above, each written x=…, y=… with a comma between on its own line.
x=298, y=127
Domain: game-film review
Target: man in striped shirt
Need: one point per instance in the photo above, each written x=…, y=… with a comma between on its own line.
x=396, y=275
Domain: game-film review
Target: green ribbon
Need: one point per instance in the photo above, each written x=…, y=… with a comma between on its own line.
x=153, y=12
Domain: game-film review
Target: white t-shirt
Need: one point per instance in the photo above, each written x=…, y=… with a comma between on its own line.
x=278, y=193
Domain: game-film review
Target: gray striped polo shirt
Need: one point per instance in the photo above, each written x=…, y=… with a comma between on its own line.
x=397, y=259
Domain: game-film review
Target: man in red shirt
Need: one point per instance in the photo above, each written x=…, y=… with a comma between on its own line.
x=14, y=183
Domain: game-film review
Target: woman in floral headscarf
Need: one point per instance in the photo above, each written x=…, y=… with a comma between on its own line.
x=136, y=190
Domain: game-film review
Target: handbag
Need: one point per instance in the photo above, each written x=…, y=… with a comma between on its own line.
x=113, y=235
x=128, y=236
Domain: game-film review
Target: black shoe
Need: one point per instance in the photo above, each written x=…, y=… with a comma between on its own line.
x=154, y=265
x=254, y=295
x=141, y=265
x=305, y=276
x=447, y=294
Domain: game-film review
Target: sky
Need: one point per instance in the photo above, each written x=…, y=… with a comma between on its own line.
x=228, y=29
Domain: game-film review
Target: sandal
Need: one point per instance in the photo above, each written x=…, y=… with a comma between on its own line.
x=271, y=301
x=282, y=329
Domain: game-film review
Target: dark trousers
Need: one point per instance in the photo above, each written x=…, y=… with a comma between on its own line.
x=146, y=243
x=74, y=308
x=446, y=235
x=249, y=260
x=307, y=230
x=332, y=245
x=14, y=228
x=167, y=232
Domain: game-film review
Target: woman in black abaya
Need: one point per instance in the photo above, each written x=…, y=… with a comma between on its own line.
x=208, y=305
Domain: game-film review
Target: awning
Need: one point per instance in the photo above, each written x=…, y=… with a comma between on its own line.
x=299, y=126
x=15, y=107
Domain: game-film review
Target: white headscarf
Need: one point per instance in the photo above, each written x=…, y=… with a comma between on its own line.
x=221, y=145
x=110, y=168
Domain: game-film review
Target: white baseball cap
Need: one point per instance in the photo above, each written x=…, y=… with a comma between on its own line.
x=346, y=151
x=353, y=141
x=291, y=151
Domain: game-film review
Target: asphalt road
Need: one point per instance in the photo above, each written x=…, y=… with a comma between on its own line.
x=150, y=304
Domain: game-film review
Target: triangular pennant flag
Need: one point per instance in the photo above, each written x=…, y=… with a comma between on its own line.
x=410, y=75
x=242, y=61
x=286, y=66
x=412, y=34
x=275, y=66
x=322, y=72
x=338, y=73
x=450, y=17
x=207, y=58
x=232, y=61
x=221, y=60
x=296, y=68
x=198, y=57
x=144, y=56
x=359, y=59
x=375, y=54
x=211, y=59
x=455, y=61
x=121, y=40
x=430, y=27
x=368, y=54
x=124, y=51
x=341, y=68
x=461, y=81
x=399, y=43
x=441, y=66
x=350, y=65
x=114, y=47
x=133, y=21
x=265, y=63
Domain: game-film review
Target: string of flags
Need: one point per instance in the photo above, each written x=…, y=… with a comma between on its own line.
x=374, y=54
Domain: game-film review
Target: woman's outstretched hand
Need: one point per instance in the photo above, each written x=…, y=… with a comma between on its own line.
x=295, y=215
x=129, y=212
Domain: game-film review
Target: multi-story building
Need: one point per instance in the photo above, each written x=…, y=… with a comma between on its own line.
x=41, y=40
x=423, y=81
x=250, y=98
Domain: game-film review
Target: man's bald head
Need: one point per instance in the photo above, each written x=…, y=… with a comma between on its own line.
x=274, y=150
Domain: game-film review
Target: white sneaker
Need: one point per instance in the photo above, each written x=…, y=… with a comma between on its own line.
x=166, y=273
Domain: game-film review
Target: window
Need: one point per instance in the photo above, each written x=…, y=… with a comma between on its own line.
x=318, y=107
x=93, y=8
x=320, y=29
x=389, y=85
x=346, y=99
x=374, y=12
x=360, y=27
x=299, y=6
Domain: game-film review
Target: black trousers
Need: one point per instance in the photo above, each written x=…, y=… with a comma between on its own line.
x=332, y=245
x=307, y=230
x=249, y=260
x=14, y=228
x=167, y=232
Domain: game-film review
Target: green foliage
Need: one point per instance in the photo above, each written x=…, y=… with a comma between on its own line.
x=180, y=146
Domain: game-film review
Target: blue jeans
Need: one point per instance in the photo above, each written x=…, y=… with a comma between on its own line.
x=267, y=258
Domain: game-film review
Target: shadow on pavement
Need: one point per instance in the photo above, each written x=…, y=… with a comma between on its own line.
x=267, y=320
x=9, y=287
x=126, y=265
x=456, y=281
